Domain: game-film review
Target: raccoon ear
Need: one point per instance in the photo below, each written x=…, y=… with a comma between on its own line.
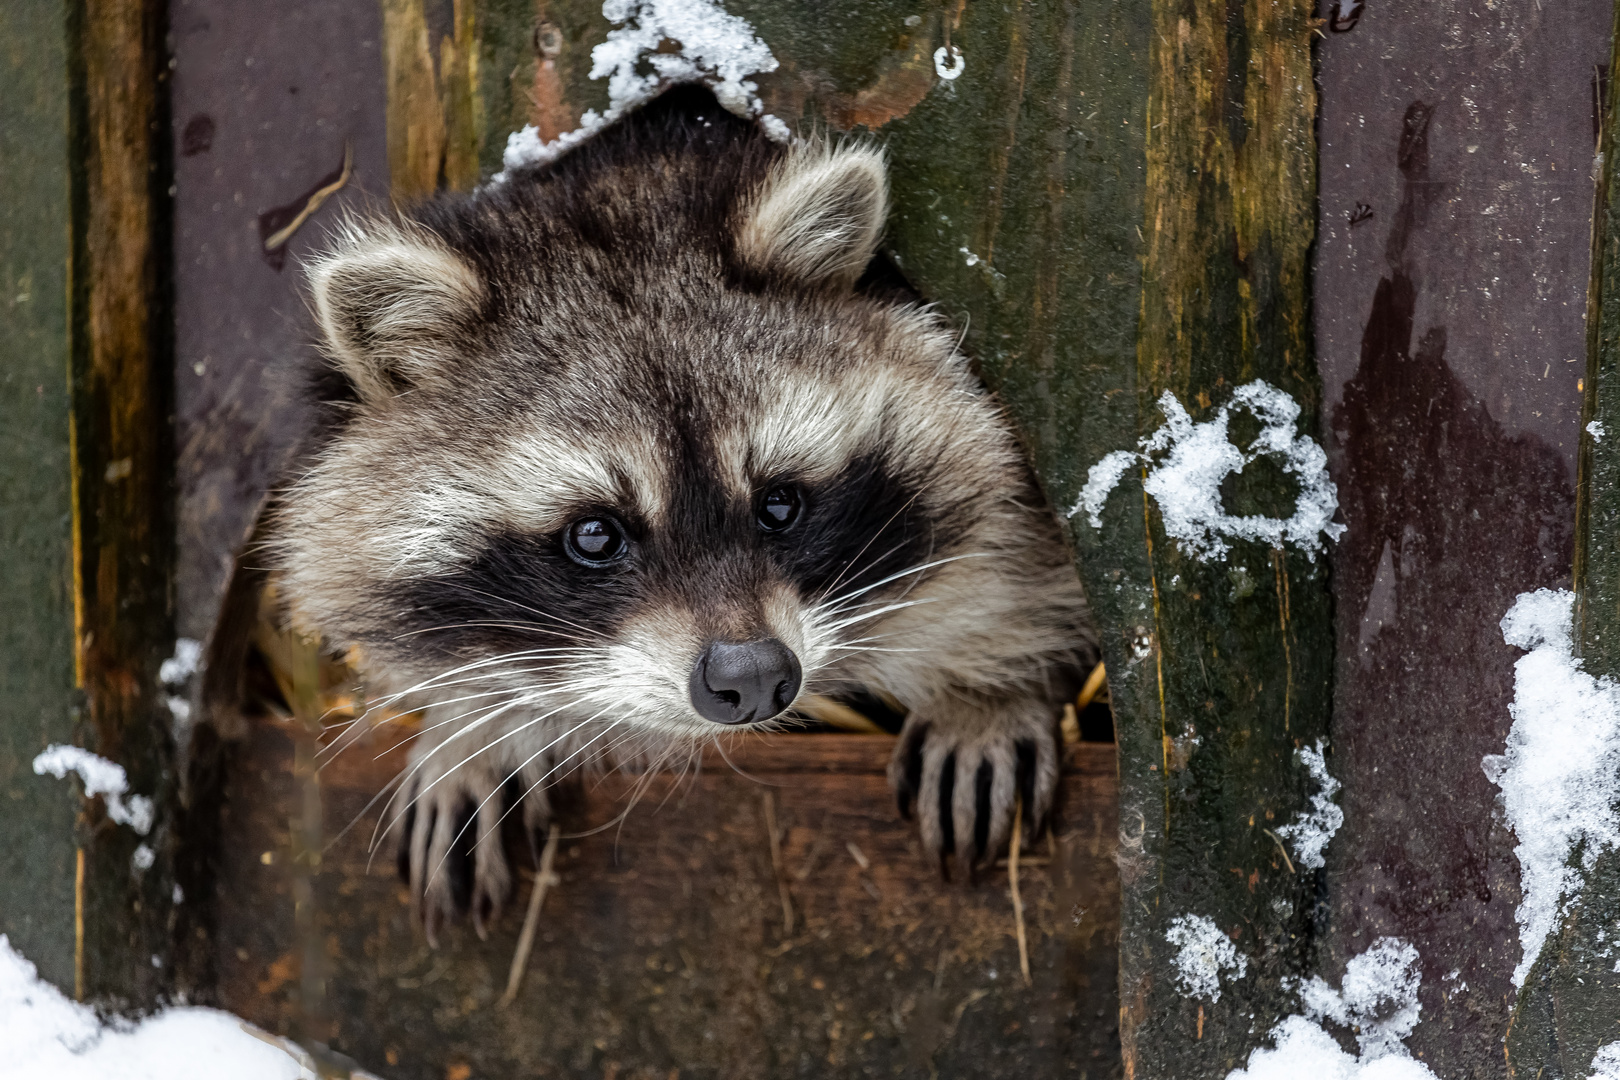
x=819, y=214
x=387, y=299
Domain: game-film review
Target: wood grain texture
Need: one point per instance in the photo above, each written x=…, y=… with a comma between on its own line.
x=123, y=540
x=1451, y=278
x=662, y=947
x=1569, y=1006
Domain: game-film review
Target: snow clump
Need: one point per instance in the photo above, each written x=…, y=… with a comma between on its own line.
x=1205, y=952
x=1606, y=1063
x=1186, y=463
x=100, y=777
x=45, y=1034
x=1309, y=833
x=1560, y=774
x=717, y=49
x=1378, y=1001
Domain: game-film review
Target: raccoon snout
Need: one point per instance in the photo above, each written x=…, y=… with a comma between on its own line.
x=740, y=682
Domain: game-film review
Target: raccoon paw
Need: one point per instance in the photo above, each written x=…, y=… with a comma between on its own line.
x=450, y=851
x=967, y=776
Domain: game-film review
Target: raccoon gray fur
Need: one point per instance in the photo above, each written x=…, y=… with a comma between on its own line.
x=617, y=458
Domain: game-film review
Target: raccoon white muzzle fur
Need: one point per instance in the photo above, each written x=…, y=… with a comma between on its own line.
x=617, y=457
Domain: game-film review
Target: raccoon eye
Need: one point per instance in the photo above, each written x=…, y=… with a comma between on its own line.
x=594, y=541
x=779, y=508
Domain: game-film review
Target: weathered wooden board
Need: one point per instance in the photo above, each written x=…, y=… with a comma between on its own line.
x=37, y=696
x=664, y=951
x=85, y=462
x=1457, y=144
x=266, y=98
x=1569, y=1006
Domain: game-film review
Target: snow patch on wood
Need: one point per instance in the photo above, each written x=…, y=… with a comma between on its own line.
x=715, y=48
x=45, y=1034
x=1186, y=462
x=1560, y=774
x=1205, y=955
x=1606, y=1063
x=1378, y=1001
x=1309, y=833
x=100, y=777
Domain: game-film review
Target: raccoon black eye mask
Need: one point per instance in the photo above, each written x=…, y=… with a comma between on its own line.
x=615, y=457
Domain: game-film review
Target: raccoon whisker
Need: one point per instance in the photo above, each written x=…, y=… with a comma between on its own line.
x=919, y=568
x=886, y=609
x=871, y=648
x=873, y=539
x=451, y=771
x=533, y=611
x=380, y=829
x=727, y=759
x=435, y=680
x=502, y=738
x=529, y=627
x=495, y=831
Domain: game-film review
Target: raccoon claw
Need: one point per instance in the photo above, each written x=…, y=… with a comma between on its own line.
x=966, y=783
x=451, y=857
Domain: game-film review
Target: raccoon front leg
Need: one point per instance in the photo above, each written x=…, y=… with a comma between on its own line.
x=965, y=762
x=451, y=856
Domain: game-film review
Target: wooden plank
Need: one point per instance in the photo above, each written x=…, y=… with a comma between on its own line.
x=664, y=946
x=1450, y=280
x=37, y=696
x=1569, y=1006
x=123, y=541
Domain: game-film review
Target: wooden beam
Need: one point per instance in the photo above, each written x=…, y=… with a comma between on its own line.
x=122, y=468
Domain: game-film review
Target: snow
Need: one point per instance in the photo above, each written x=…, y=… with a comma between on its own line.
x=717, y=48
x=1606, y=1063
x=1560, y=774
x=185, y=662
x=46, y=1035
x=1187, y=462
x=100, y=777
x=1309, y=833
x=1205, y=952
x=1378, y=1002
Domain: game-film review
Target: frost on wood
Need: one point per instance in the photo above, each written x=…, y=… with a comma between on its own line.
x=1378, y=1002
x=46, y=1035
x=1204, y=954
x=1560, y=774
x=1187, y=461
x=100, y=777
x=717, y=49
x=1606, y=1063
x=1309, y=834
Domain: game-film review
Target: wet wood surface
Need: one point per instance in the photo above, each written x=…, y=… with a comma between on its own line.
x=1450, y=288
x=665, y=950
x=1569, y=1007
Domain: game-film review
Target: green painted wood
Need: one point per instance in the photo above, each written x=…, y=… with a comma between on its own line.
x=1569, y=1006
x=1114, y=200
x=84, y=473
x=37, y=696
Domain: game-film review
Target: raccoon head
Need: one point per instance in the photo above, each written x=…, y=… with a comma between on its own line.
x=620, y=440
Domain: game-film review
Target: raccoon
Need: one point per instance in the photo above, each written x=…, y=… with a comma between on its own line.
x=622, y=453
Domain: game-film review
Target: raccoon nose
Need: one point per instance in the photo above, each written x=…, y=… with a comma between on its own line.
x=740, y=682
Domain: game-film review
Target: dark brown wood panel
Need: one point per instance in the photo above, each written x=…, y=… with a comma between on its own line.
x=663, y=949
x=1456, y=196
